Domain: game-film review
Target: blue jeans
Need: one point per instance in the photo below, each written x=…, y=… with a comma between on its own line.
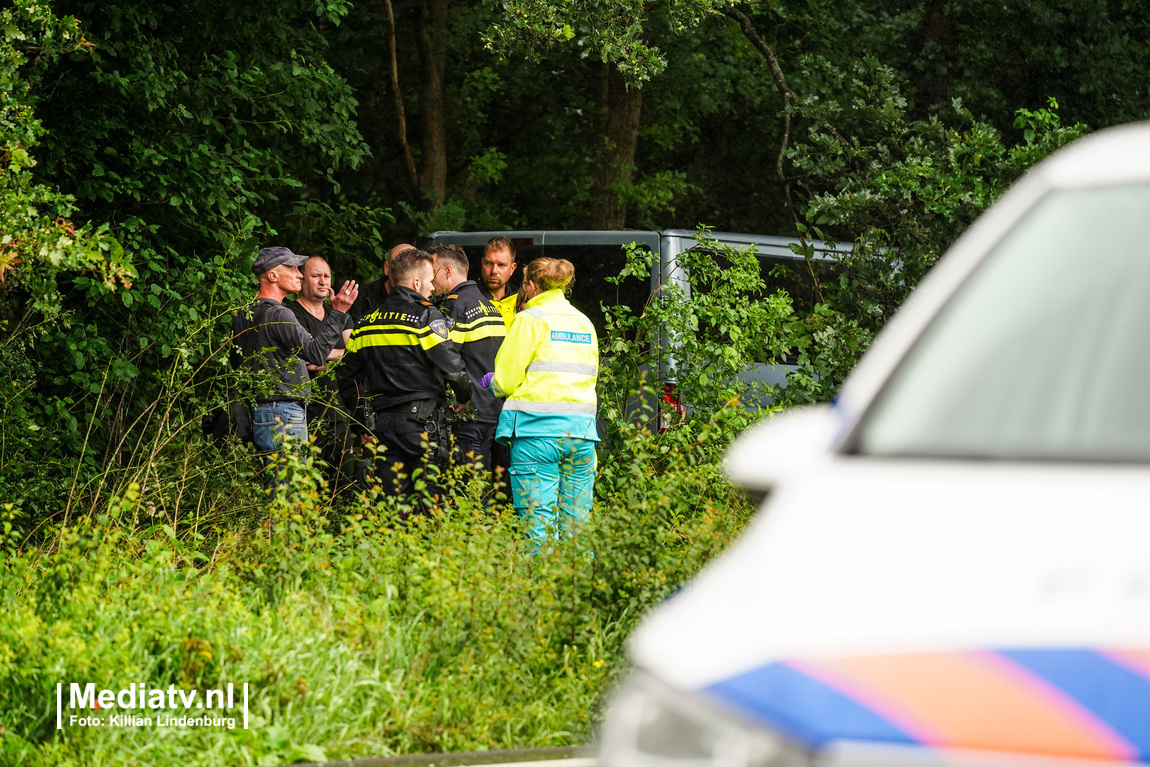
x=552, y=480
x=269, y=423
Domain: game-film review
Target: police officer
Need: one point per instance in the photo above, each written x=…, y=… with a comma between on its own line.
x=495, y=271
x=478, y=330
x=396, y=371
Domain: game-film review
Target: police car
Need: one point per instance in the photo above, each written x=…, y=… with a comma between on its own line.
x=952, y=562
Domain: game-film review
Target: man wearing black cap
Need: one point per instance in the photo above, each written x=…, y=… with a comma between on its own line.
x=268, y=339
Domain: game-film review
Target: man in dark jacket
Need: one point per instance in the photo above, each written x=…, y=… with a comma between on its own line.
x=496, y=269
x=395, y=374
x=477, y=328
x=269, y=341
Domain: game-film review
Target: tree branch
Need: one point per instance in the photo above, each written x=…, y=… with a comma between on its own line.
x=789, y=96
x=789, y=99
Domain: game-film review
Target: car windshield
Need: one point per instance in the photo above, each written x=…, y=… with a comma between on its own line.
x=1044, y=353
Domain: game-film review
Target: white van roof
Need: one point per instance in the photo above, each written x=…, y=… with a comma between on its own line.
x=773, y=246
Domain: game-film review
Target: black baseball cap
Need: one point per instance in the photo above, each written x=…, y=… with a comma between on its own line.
x=270, y=258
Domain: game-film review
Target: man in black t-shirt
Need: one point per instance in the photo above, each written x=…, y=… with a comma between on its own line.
x=327, y=421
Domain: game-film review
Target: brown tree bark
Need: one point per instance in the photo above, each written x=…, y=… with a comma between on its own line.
x=617, y=136
x=397, y=93
x=432, y=101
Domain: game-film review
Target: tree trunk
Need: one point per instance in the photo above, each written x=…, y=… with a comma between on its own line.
x=432, y=102
x=617, y=135
x=397, y=94
x=933, y=32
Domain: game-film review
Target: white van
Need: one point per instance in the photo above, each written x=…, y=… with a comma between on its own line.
x=599, y=254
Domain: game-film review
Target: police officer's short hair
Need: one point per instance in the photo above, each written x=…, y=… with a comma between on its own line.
x=454, y=255
x=405, y=262
x=499, y=242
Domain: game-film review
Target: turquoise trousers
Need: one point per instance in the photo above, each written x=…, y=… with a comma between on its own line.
x=552, y=480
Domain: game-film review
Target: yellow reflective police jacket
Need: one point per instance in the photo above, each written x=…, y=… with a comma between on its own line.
x=547, y=367
x=506, y=307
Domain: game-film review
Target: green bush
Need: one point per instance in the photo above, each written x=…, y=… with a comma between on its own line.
x=701, y=341
x=902, y=189
x=357, y=635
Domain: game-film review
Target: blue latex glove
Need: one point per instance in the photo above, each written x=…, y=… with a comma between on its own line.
x=485, y=382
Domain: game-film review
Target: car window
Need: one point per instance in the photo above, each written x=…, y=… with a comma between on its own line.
x=1044, y=353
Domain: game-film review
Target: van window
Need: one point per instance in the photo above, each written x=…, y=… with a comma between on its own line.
x=593, y=265
x=789, y=274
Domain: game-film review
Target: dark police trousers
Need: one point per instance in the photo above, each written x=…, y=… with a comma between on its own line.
x=473, y=443
x=403, y=440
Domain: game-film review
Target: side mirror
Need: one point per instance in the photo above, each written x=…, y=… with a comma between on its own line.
x=785, y=445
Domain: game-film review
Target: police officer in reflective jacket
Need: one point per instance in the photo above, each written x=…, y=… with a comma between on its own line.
x=396, y=371
x=477, y=328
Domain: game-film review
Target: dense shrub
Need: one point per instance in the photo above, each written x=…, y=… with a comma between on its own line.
x=358, y=636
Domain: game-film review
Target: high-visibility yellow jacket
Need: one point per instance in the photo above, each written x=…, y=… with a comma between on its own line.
x=547, y=367
x=506, y=307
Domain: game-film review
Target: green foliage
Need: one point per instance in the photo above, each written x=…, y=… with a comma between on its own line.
x=38, y=243
x=358, y=637
x=702, y=336
x=614, y=32
x=39, y=248
x=652, y=199
x=903, y=189
x=210, y=123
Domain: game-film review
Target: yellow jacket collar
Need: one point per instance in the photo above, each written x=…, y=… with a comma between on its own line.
x=544, y=297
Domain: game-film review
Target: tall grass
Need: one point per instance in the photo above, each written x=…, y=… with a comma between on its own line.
x=357, y=635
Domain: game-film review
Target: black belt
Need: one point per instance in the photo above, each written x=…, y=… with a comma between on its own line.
x=279, y=399
x=418, y=408
x=380, y=405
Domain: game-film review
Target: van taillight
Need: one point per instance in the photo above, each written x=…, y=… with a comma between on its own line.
x=670, y=409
